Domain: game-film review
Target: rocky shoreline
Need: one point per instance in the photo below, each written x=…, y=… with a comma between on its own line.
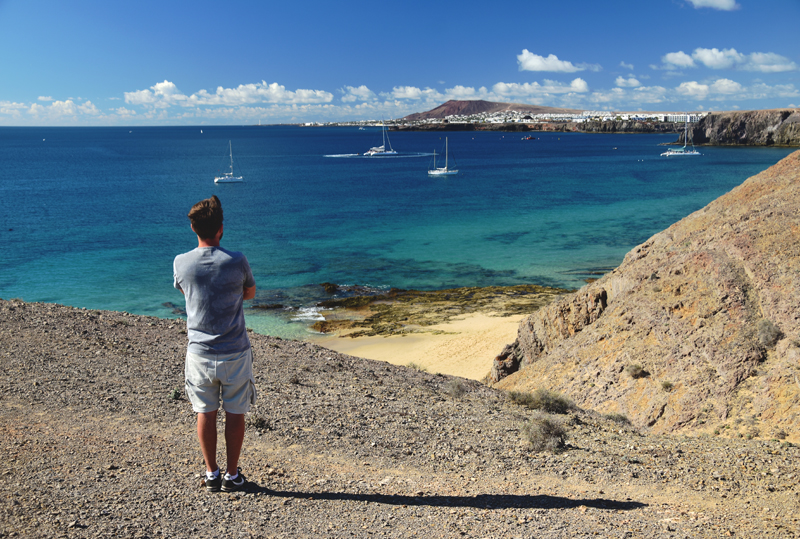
x=610, y=126
x=402, y=312
x=100, y=442
x=780, y=127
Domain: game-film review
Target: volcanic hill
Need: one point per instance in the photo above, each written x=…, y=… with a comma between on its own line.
x=698, y=329
x=468, y=108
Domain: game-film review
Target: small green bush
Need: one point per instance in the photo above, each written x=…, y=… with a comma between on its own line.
x=666, y=385
x=416, y=367
x=175, y=394
x=545, y=433
x=542, y=399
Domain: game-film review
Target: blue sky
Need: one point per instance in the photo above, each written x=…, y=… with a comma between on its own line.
x=108, y=62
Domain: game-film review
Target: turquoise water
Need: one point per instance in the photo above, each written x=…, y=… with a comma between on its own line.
x=94, y=216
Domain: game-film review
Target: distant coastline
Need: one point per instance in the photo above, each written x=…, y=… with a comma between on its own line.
x=775, y=127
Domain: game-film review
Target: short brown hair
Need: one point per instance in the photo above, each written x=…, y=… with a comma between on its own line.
x=206, y=217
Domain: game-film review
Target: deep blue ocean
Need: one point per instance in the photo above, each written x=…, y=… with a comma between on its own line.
x=93, y=217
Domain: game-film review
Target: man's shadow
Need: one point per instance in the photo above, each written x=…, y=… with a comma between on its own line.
x=480, y=501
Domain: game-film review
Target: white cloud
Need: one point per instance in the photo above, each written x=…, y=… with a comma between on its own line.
x=125, y=113
x=693, y=89
x=529, y=61
x=725, y=86
x=723, y=5
x=630, y=82
x=165, y=94
x=629, y=67
x=765, y=62
x=9, y=108
x=505, y=90
x=726, y=89
x=411, y=92
x=361, y=93
x=718, y=59
x=162, y=94
x=578, y=85
x=650, y=94
x=615, y=95
x=89, y=108
x=45, y=98
x=677, y=59
x=462, y=92
x=768, y=62
x=258, y=93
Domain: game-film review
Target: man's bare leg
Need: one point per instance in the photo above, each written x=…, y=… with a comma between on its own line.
x=207, y=434
x=234, y=438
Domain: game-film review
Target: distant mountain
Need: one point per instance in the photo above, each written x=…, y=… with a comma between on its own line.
x=466, y=108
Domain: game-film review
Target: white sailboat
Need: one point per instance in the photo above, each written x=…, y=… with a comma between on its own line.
x=228, y=177
x=381, y=150
x=685, y=150
x=442, y=171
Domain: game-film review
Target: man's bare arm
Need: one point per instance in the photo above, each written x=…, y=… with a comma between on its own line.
x=249, y=293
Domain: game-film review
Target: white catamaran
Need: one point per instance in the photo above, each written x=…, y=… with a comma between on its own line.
x=228, y=177
x=684, y=150
x=381, y=150
x=442, y=171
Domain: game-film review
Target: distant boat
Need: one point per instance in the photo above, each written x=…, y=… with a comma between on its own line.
x=381, y=150
x=228, y=177
x=684, y=150
x=443, y=171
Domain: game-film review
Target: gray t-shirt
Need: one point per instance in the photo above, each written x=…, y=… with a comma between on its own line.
x=213, y=280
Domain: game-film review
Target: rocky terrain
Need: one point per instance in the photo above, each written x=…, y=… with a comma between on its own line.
x=100, y=442
x=749, y=128
x=697, y=330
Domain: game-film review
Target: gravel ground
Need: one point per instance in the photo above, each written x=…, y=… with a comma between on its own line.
x=337, y=446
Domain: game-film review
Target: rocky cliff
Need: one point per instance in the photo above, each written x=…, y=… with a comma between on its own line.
x=697, y=329
x=749, y=128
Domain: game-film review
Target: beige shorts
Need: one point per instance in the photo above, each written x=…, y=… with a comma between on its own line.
x=227, y=378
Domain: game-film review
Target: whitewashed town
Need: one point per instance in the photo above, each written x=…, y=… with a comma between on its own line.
x=510, y=116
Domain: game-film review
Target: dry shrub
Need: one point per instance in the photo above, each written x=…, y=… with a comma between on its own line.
x=545, y=433
x=636, y=371
x=542, y=399
x=455, y=388
x=768, y=333
x=618, y=418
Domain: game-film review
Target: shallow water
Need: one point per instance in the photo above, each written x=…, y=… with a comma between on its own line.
x=94, y=216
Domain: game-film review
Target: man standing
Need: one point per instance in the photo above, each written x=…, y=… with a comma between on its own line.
x=219, y=362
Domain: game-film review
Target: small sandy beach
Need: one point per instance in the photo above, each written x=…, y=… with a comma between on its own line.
x=461, y=347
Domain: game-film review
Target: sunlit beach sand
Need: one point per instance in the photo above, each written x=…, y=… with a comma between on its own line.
x=465, y=347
